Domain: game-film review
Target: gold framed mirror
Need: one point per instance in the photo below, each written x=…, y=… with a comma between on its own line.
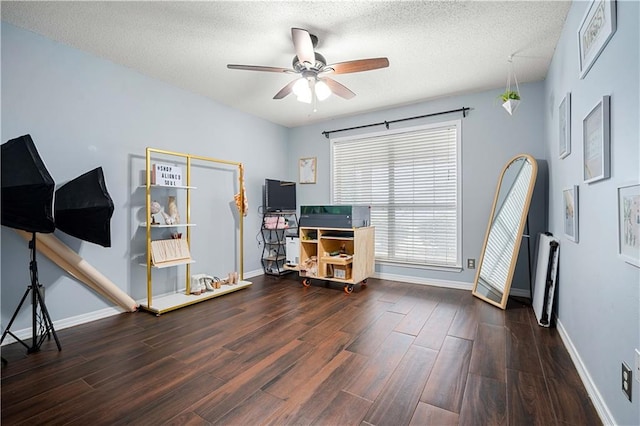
x=505, y=230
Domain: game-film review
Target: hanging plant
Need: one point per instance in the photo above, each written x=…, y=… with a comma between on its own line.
x=511, y=98
x=510, y=94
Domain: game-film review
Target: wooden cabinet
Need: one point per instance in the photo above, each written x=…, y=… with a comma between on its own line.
x=337, y=254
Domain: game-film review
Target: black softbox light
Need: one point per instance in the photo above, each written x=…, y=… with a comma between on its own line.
x=27, y=187
x=83, y=208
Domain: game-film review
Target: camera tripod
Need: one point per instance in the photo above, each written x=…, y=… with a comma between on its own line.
x=42, y=326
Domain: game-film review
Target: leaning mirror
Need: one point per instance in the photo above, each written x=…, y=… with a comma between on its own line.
x=504, y=232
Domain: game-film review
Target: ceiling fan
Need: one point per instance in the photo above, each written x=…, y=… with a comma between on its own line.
x=312, y=67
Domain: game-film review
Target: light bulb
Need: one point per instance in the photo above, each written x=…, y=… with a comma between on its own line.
x=305, y=97
x=322, y=90
x=301, y=87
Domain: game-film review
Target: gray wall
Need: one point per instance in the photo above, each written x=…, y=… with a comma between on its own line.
x=83, y=112
x=598, y=293
x=490, y=138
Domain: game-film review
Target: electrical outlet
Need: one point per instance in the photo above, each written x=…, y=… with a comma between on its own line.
x=626, y=380
x=637, y=373
x=471, y=264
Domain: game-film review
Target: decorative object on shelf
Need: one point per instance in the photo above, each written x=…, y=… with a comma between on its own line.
x=342, y=272
x=307, y=170
x=564, y=119
x=208, y=283
x=596, y=29
x=274, y=222
x=511, y=98
x=166, y=175
x=570, y=203
x=163, y=251
x=199, y=288
x=629, y=223
x=232, y=278
x=155, y=209
x=176, y=235
x=596, y=142
x=310, y=267
x=203, y=282
x=241, y=202
x=173, y=217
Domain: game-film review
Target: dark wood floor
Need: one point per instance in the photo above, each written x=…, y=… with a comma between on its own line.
x=276, y=353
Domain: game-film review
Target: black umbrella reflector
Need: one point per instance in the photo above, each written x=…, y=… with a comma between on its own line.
x=83, y=208
x=27, y=187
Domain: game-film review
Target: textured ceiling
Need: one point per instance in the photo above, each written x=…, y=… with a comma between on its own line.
x=435, y=48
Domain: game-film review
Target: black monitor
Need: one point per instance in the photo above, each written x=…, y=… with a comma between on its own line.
x=279, y=195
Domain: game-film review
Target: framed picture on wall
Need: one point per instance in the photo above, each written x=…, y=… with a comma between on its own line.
x=596, y=142
x=596, y=29
x=570, y=203
x=307, y=170
x=564, y=116
x=629, y=223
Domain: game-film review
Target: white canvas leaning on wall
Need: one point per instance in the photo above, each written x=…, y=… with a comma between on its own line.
x=570, y=203
x=629, y=223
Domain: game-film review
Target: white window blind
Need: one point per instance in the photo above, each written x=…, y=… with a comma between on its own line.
x=411, y=180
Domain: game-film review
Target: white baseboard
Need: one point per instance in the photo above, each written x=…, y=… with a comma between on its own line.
x=25, y=333
x=251, y=274
x=460, y=285
x=601, y=407
x=520, y=292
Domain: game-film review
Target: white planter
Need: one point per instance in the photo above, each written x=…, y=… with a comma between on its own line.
x=511, y=105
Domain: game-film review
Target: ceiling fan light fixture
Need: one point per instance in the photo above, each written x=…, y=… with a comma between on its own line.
x=309, y=64
x=322, y=90
x=306, y=99
x=303, y=91
x=301, y=87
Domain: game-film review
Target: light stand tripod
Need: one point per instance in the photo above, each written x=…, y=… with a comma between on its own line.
x=42, y=326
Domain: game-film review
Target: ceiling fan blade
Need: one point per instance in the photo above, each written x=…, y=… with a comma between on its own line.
x=303, y=45
x=285, y=90
x=359, y=65
x=259, y=68
x=338, y=88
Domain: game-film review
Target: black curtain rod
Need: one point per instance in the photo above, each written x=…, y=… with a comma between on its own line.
x=464, y=110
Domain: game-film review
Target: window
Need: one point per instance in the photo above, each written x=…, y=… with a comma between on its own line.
x=411, y=180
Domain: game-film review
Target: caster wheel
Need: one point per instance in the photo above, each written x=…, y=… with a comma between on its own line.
x=363, y=283
x=348, y=288
x=306, y=282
